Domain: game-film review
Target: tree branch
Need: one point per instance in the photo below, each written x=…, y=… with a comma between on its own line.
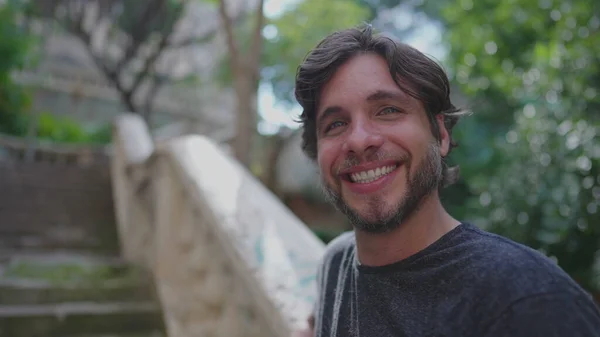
x=207, y=36
x=149, y=63
x=257, y=42
x=193, y=40
x=151, y=60
x=156, y=83
x=136, y=42
x=76, y=28
x=128, y=55
x=82, y=26
x=234, y=56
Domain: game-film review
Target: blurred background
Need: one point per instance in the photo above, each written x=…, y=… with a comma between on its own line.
x=529, y=70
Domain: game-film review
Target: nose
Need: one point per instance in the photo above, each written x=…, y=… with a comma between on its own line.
x=363, y=139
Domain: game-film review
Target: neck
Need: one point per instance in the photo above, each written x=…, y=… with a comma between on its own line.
x=429, y=223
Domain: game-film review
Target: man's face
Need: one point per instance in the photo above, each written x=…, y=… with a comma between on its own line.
x=375, y=150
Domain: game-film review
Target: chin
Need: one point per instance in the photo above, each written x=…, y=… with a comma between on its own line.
x=376, y=218
x=374, y=206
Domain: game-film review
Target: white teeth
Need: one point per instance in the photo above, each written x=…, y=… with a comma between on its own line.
x=371, y=175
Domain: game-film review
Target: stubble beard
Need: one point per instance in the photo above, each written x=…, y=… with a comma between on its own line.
x=426, y=179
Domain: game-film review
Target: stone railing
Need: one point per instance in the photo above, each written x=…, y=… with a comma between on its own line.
x=229, y=259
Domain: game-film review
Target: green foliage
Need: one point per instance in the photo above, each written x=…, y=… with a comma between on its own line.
x=531, y=154
x=297, y=32
x=14, y=45
x=100, y=135
x=132, y=14
x=67, y=130
x=326, y=235
x=374, y=6
x=58, y=129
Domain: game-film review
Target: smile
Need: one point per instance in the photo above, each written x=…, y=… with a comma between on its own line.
x=365, y=177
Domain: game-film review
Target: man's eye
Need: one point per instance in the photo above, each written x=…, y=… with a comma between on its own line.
x=334, y=125
x=388, y=110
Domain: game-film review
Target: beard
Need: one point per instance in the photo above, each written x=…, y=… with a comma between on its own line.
x=378, y=217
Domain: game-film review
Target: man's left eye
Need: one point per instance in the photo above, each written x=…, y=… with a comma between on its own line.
x=388, y=110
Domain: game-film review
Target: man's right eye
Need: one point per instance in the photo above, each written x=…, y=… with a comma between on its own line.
x=333, y=126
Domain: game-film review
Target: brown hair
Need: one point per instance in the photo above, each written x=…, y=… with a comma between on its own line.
x=413, y=72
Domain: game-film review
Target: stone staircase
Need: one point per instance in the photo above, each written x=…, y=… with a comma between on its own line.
x=60, y=270
x=75, y=295
x=221, y=254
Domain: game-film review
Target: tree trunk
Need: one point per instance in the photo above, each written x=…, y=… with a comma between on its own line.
x=127, y=100
x=270, y=169
x=245, y=68
x=246, y=123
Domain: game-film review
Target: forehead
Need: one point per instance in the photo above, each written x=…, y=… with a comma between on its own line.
x=355, y=80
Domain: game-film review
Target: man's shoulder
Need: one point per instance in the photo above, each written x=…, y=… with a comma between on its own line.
x=499, y=253
x=513, y=269
x=511, y=282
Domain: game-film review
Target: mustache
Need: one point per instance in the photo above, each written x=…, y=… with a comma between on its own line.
x=354, y=160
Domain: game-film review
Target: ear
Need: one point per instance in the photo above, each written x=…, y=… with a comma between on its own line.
x=444, y=135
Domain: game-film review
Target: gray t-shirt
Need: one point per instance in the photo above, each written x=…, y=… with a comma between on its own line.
x=469, y=283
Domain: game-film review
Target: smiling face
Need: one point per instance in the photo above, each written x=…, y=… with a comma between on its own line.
x=375, y=150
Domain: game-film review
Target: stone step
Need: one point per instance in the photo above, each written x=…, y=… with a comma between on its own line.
x=69, y=270
x=80, y=318
x=25, y=292
x=59, y=255
x=28, y=243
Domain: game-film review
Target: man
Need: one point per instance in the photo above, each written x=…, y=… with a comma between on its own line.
x=378, y=122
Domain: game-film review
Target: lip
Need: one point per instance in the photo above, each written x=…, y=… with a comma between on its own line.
x=373, y=186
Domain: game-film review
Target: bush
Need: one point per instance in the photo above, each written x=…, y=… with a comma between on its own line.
x=14, y=47
x=67, y=130
x=326, y=235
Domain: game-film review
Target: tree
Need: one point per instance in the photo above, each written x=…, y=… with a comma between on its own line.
x=14, y=46
x=533, y=69
x=126, y=40
x=245, y=69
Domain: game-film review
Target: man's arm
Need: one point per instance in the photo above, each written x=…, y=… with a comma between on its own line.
x=549, y=315
x=310, y=332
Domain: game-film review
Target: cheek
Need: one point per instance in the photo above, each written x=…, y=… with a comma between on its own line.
x=327, y=155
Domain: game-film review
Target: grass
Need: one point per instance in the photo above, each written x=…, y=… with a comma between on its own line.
x=71, y=273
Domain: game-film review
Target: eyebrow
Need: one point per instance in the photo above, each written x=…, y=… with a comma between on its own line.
x=381, y=95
